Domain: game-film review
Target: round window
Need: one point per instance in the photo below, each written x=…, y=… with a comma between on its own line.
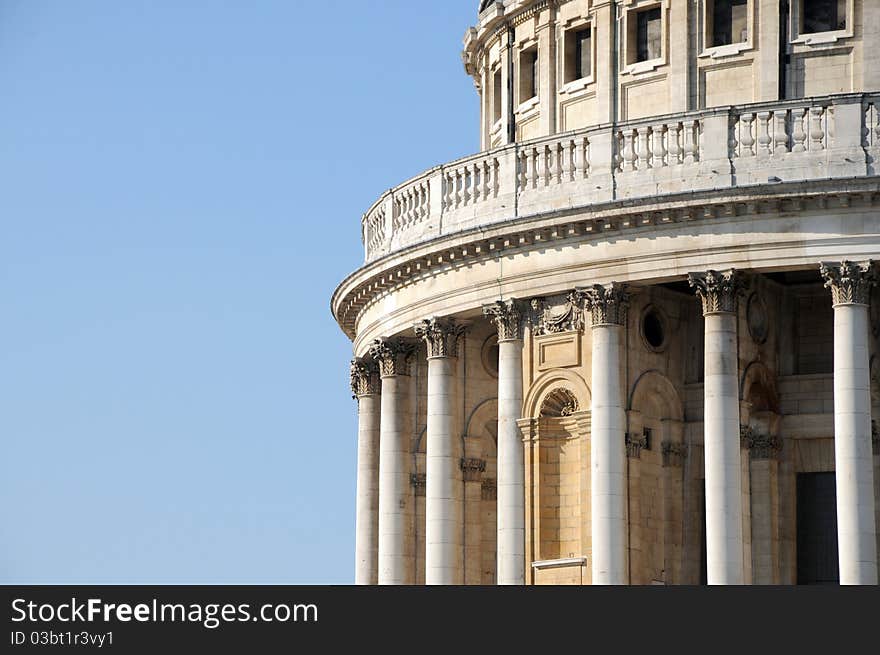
x=653, y=329
x=490, y=355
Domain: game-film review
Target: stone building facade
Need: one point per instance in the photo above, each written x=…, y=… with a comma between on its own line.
x=635, y=339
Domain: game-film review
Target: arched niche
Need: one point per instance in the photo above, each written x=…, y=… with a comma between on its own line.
x=547, y=388
x=758, y=388
x=654, y=395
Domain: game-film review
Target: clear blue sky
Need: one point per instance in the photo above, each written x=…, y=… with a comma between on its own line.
x=181, y=184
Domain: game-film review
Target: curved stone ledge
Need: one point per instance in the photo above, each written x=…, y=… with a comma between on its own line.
x=777, y=218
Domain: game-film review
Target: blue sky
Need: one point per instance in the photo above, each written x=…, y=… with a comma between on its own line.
x=182, y=183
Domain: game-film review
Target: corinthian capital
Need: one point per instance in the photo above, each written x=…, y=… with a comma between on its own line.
x=364, y=377
x=607, y=304
x=394, y=355
x=507, y=315
x=441, y=335
x=850, y=282
x=719, y=291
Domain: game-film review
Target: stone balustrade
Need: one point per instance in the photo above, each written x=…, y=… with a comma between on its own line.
x=784, y=141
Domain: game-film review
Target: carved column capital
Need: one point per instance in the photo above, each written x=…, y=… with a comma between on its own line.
x=674, y=453
x=719, y=291
x=507, y=315
x=393, y=354
x=472, y=468
x=634, y=445
x=489, y=489
x=607, y=304
x=441, y=336
x=760, y=446
x=850, y=282
x=364, y=377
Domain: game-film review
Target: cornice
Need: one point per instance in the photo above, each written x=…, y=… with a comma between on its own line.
x=586, y=222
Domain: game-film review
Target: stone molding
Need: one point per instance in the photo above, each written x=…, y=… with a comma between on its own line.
x=607, y=304
x=441, y=336
x=394, y=355
x=850, y=282
x=365, y=380
x=674, y=453
x=719, y=291
x=365, y=286
x=472, y=468
x=760, y=446
x=507, y=315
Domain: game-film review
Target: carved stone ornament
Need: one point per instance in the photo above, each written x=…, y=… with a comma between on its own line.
x=419, y=482
x=472, y=468
x=674, y=453
x=547, y=317
x=607, y=304
x=559, y=403
x=719, y=291
x=634, y=445
x=489, y=489
x=441, y=336
x=760, y=446
x=507, y=315
x=394, y=355
x=850, y=282
x=365, y=379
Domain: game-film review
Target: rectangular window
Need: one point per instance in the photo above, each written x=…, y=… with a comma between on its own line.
x=648, y=34
x=528, y=75
x=729, y=21
x=578, y=54
x=823, y=16
x=496, y=97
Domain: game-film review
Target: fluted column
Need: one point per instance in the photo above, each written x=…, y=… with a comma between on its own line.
x=719, y=293
x=366, y=388
x=507, y=316
x=396, y=550
x=607, y=305
x=850, y=285
x=443, y=510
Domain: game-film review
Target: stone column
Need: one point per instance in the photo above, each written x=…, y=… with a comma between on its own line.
x=507, y=316
x=850, y=285
x=607, y=305
x=674, y=453
x=366, y=387
x=443, y=511
x=396, y=552
x=719, y=293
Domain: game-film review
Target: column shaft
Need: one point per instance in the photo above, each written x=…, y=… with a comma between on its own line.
x=367, y=519
x=395, y=497
x=852, y=446
x=511, y=474
x=608, y=458
x=724, y=516
x=443, y=528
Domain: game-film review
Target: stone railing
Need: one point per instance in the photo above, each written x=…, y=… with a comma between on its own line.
x=724, y=147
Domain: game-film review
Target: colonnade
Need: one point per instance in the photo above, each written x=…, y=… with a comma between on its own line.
x=384, y=542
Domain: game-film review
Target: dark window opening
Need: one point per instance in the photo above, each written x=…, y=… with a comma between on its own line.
x=496, y=97
x=648, y=34
x=729, y=21
x=823, y=15
x=652, y=329
x=583, y=54
x=528, y=75
x=817, y=559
